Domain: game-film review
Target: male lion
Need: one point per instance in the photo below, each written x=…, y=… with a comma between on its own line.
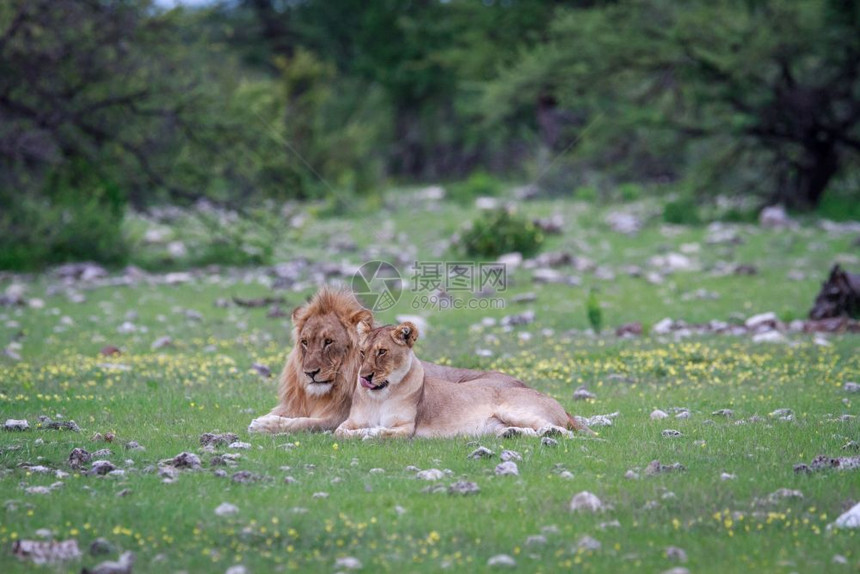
x=395, y=397
x=318, y=380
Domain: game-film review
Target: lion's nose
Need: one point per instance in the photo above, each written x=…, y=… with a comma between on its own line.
x=312, y=374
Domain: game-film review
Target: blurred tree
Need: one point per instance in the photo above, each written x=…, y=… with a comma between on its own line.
x=770, y=89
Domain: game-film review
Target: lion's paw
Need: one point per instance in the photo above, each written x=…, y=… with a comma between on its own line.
x=266, y=424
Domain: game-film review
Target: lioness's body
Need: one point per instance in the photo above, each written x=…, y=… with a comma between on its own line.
x=318, y=379
x=406, y=402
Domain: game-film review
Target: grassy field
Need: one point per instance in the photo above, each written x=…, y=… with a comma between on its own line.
x=363, y=499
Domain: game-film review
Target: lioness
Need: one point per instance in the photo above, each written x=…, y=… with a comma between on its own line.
x=395, y=397
x=318, y=380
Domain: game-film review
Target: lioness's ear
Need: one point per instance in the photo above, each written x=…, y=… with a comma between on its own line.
x=405, y=334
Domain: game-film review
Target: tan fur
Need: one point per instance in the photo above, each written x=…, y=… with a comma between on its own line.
x=338, y=315
x=396, y=398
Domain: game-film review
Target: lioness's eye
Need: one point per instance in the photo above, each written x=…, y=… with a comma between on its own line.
x=328, y=342
x=361, y=353
x=380, y=352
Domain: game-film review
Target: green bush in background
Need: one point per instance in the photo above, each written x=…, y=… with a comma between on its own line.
x=500, y=231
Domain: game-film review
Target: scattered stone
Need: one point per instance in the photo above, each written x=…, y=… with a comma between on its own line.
x=524, y=318
x=16, y=425
x=246, y=476
x=184, y=460
x=728, y=413
x=676, y=570
x=676, y=554
x=849, y=519
x=774, y=217
x=133, y=445
x=683, y=415
x=780, y=494
x=463, y=487
x=102, y=467
x=655, y=467
x=582, y=394
x=548, y=441
x=236, y=569
x=727, y=476
x=38, y=490
x=122, y=566
x=101, y=546
x=47, y=423
x=599, y=420
x=161, y=343
x=507, y=468
x=348, y=562
x=622, y=222
x=103, y=452
x=319, y=495
x=481, y=452
x=769, y=337
x=631, y=475
x=536, y=540
x=78, y=457
x=501, y=560
x=782, y=414
x=657, y=415
x=839, y=559
x=430, y=474
x=849, y=387
x=585, y=502
x=671, y=433
x=510, y=455
x=239, y=445
x=524, y=298
x=628, y=330
x=226, y=509
x=588, y=543
x=209, y=438
x=39, y=552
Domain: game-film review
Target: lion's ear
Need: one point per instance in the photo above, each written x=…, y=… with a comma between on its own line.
x=362, y=320
x=298, y=314
x=405, y=334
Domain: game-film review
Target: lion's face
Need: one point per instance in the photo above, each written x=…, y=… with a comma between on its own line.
x=386, y=356
x=323, y=345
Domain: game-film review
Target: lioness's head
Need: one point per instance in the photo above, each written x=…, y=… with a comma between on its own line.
x=386, y=355
x=326, y=336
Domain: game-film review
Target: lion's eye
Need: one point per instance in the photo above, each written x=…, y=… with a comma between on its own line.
x=328, y=342
x=380, y=352
x=304, y=342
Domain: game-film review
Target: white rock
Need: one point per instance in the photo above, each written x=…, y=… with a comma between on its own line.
x=348, y=562
x=848, y=519
x=511, y=260
x=761, y=319
x=769, y=337
x=585, y=501
x=430, y=474
x=727, y=476
x=237, y=569
x=502, y=560
x=773, y=217
x=849, y=387
x=507, y=468
x=226, y=509
x=657, y=415
x=16, y=425
x=239, y=445
x=663, y=327
x=486, y=203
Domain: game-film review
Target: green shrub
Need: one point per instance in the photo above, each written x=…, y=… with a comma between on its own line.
x=682, y=211
x=478, y=184
x=77, y=217
x=585, y=193
x=594, y=311
x=630, y=191
x=496, y=232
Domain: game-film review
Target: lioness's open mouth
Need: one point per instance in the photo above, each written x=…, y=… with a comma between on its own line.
x=365, y=382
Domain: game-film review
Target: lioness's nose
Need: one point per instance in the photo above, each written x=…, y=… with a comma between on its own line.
x=312, y=374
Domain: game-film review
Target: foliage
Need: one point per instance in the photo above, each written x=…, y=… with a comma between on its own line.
x=594, y=311
x=683, y=210
x=479, y=184
x=499, y=231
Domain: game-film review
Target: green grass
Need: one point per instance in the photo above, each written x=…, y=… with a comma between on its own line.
x=204, y=383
